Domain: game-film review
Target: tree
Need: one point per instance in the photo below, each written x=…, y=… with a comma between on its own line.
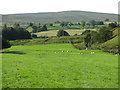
x=89, y=37
x=99, y=23
x=5, y=44
x=44, y=28
x=62, y=33
x=113, y=25
x=51, y=24
x=107, y=19
x=16, y=26
x=5, y=26
x=83, y=23
x=92, y=23
x=39, y=24
x=35, y=29
x=70, y=24
x=31, y=24
x=34, y=36
x=87, y=40
x=14, y=33
x=63, y=24
x=85, y=32
x=104, y=34
x=57, y=22
x=79, y=23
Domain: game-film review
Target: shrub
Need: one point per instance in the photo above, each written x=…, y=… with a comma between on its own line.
x=5, y=44
x=62, y=33
x=12, y=33
x=34, y=36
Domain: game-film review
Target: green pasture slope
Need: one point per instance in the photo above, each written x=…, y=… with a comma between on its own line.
x=46, y=66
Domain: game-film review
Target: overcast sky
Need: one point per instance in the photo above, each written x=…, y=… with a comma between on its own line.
x=34, y=6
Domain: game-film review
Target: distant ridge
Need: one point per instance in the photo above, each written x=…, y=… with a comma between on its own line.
x=51, y=17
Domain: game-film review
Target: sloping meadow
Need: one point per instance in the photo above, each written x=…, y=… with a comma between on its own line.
x=58, y=66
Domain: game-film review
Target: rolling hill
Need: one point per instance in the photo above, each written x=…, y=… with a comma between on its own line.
x=50, y=17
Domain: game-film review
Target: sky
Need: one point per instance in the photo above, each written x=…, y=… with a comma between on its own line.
x=36, y=6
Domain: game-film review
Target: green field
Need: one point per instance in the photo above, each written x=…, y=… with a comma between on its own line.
x=54, y=32
x=46, y=66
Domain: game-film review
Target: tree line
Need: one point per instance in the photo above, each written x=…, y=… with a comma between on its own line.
x=13, y=33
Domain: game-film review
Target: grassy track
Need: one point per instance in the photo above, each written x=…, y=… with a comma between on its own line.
x=46, y=66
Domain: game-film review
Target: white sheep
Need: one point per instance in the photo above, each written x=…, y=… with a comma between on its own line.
x=68, y=51
x=56, y=52
x=62, y=51
x=92, y=52
x=82, y=53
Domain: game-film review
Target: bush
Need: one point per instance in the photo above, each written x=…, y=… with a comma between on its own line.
x=104, y=34
x=5, y=44
x=113, y=25
x=62, y=33
x=85, y=32
x=10, y=33
x=34, y=36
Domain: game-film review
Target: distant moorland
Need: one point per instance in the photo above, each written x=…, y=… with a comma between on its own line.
x=50, y=17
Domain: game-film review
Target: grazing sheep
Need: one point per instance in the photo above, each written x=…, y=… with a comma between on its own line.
x=82, y=53
x=56, y=52
x=62, y=51
x=68, y=51
x=117, y=54
x=92, y=52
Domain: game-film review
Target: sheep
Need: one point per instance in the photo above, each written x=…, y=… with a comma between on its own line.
x=56, y=52
x=117, y=54
x=62, y=51
x=82, y=53
x=92, y=52
x=69, y=51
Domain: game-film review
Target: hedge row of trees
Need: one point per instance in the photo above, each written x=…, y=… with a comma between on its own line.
x=93, y=23
x=83, y=23
x=38, y=28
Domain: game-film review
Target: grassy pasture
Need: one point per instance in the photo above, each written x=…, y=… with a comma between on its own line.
x=29, y=29
x=46, y=66
x=55, y=27
x=54, y=32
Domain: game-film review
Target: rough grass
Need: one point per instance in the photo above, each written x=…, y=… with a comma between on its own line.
x=46, y=66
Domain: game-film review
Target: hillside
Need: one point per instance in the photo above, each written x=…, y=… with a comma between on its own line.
x=113, y=44
x=50, y=17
